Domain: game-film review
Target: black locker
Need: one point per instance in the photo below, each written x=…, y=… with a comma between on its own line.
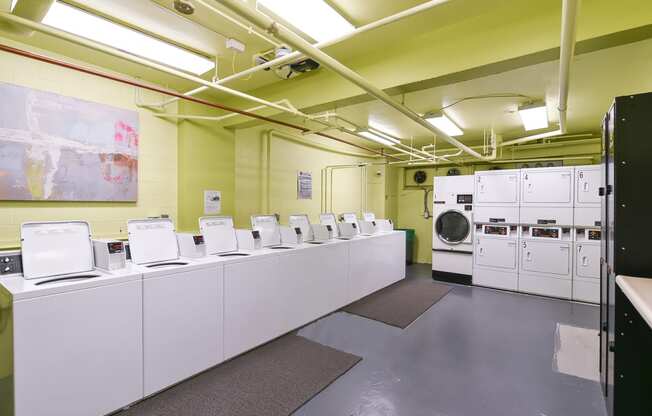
x=626, y=250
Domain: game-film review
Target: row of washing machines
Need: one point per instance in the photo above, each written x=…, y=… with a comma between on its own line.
x=528, y=230
x=81, y=321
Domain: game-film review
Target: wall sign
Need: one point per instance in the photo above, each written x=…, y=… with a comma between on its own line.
x=212, y=202
x=304, y=185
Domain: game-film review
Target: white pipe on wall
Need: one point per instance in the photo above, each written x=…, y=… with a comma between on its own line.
x=142, y=61
x=566, y=53
x=298, y=43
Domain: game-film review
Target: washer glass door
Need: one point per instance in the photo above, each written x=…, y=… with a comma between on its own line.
x=452, y=227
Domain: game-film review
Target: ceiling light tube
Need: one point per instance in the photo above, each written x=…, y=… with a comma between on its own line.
x=534, y=116
x=98, y=29
x=315, y=18
x=384, y=135
x=445, y=124
x=376, y=138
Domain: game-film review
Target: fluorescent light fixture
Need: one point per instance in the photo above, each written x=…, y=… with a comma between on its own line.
x=384, y=135
x=81, y=23
x=315, y=18
x=445, y=124
x=534, y=117
x=13, y=5
x=376, y=138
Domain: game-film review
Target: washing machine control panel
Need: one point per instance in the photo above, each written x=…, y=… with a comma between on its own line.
x=464, y=198
x=496, y=230
x=549, y=233
x=588, y=234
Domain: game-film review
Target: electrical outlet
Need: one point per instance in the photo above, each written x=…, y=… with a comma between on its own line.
x=10, y=262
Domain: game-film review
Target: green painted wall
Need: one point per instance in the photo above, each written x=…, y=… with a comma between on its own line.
x=206, y=162
x=157, y=193
x=274, y=189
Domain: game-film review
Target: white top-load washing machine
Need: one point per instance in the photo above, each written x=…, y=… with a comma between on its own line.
x=351, y=218
x=496, y=216
x=586, y=265
x=312, y=233
x=270, y=232
x=452, y=241
x=182, y=306
x=77, y=331
x=220, y=237
x=546, y=261
x=329, y=220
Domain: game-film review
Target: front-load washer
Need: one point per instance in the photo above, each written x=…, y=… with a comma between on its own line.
x=547, y=196
x=76, y=332
x=546, y=260
x=587, y=196
x=586, y=265
x=495, y=256
x=452, y=247
x=182, y=306
x=496, y=196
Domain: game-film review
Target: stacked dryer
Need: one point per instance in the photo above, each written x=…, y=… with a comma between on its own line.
x=587, y=235
x=496, y=217
x=546, y=252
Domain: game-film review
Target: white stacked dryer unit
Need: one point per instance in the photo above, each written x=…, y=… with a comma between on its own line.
x=546, y=257
x=496, y=217
x=452, y=241
x=586, y=259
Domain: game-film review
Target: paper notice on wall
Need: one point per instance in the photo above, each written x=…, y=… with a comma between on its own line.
x=304, y=185
x=212, y=202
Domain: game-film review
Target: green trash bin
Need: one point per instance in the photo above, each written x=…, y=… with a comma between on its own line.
x=410, y=236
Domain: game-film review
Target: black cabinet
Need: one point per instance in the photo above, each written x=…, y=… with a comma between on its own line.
x=626, y=230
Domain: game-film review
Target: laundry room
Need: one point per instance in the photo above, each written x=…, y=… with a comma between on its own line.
x=325, y=207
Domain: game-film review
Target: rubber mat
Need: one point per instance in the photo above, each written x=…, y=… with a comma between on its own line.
x=272, y=380
x=401, y=303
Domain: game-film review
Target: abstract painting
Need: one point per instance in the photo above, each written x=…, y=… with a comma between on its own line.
x=58, y=148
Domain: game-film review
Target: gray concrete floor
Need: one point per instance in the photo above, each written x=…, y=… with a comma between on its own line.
x=475, y=352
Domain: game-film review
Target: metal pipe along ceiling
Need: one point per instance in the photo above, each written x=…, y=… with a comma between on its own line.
x=297, y=42
x=296, y=55
x=171, y=93
x=566, y=53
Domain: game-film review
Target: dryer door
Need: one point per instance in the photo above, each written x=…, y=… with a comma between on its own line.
x=587, y=260
x=452, y=227
x=495, y=252
x=545, y=257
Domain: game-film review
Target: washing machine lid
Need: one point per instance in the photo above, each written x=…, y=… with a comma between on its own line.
x=55, y=248
x=452, y=227
x=267, y=226
x=330, y=219
x=152, y=240
x=219, y=234
x=303, y=223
